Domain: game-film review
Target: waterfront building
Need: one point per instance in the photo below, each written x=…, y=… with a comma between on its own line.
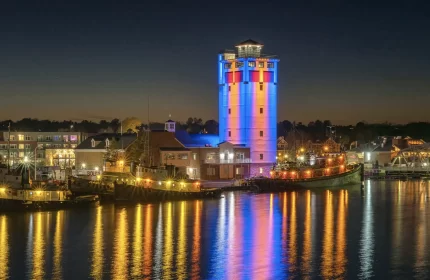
x=47, y=148
x=247, y=82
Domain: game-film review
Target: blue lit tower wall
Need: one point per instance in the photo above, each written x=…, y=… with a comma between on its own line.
x=248, y=100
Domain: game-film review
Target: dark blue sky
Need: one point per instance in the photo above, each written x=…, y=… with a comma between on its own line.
x=341, y=60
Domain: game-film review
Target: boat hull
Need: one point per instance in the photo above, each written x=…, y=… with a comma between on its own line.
x=351, y=177
x=7, y=205
x=127, y=193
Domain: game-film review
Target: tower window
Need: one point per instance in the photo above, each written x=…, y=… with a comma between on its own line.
x=261, y=133
x=251, y=63
x=229, y=88
x=261, y=170
x=261, y=157
x=227, y=65
x=261, y=86
x=229, y=134
x=261, y=64
x=261, y=110
x=239, y=64
x=229, y=111
x=270, y=65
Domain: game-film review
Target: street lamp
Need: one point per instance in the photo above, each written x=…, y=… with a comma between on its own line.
x=83, y=165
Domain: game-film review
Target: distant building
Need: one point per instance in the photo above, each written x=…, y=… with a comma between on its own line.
x=49, y=148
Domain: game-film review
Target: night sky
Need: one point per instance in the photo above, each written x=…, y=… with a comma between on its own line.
x=345, y=61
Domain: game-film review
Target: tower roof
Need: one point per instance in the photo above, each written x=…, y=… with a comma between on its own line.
x=249, y=42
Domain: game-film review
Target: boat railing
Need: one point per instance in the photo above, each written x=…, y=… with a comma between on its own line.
x=32, y=195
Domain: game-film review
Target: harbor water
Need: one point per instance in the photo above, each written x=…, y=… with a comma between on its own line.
x=381, y=231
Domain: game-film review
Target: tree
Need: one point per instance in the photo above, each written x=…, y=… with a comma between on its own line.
x=131, y=124
x=211, y=127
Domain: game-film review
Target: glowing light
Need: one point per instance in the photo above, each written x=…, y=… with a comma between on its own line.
x=325, y=148
x=2, y=189
x=138, y=179
x=302, y=150
x=159, y=183
x=96, y=168
x=98, y=177
x=285, y=156
x=25, y=159
x=83, y=165
x=308, y=172
x=39, y=193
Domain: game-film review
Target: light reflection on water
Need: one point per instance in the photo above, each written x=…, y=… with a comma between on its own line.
x=381, y=232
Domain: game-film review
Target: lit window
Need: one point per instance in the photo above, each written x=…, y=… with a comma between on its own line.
x=12, y=138
x=261, y=156
x=261, y=86
x=261, y=133
x=21, y=154
x=261, y=170
x=21, y=146
x=261, y=64
x=73, y=138
x=229, y=134
x=40, y=146
x=182, y=156
x=172, y=126
x=93, y=143
x=229, y=111
x=270, y=64
x=251, y=63
x=66, y=138
x=239, y=64
x=39, y=137
x=57, y=137
x=261, y=110
x=194, y=156
x=227, y=65
x=20, y=137
x=73, y=146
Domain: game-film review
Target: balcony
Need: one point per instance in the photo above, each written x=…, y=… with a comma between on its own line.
x=228, y=161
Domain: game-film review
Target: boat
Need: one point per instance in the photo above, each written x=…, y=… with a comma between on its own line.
x=12, y=199
x=352, y=176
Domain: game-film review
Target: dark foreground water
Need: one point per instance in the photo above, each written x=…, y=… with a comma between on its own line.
x=383, y=232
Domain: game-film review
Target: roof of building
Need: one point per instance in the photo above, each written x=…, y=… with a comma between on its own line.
x=249, y=42
x=174, y=149
x=170, y=121
x=197, y=140
x=100, y=140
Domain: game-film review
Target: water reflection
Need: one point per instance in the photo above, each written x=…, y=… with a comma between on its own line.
x=331, y=234
x=4, y=248
x=97, y=250
x=121, y=258
x=58, y=245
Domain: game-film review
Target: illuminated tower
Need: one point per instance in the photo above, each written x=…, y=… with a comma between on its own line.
x=247, y=101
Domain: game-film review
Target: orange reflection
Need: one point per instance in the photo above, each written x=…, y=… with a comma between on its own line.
x=195, y=269
x=137, y=243
x=148, y=242
x=97, y=259
x=284, y=224
x=168, y=245
x=341, y=258
x=293, y=234
x=182, y=244
x=120, y=263
x=58, y=239
x=327, y=257
x=4, y=248
x=307, y=241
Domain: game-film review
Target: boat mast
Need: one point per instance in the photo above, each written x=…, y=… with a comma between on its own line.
x=8, y=151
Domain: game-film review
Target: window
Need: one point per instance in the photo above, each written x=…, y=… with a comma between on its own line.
x=3, y=146
x=261, y=170
x=57, y=137
x=227, y=65
x=270, y=65
x=21, y=146
x=47, y=145
x=21, y=154
x=73, y=146
x=229, y=134
x=194, y=156
x=239, y=64
x=39, y=137
x=261, y=157
x=27, y=146
x=261, y=133
x=229, y=88
x=210, y=171
x=107, y=143
x=93, y=143
x=27, y=138
x=261, y=86
x=251, y=63
x=171, y=126
x=170, y=156
x=73, y=138
x=239, y=170
x=182, y=156
x=240, y=156
x=261, y=64
x=12, y=138
x=229, y=111
x=66, y=138
x=40, y=146
x=13, y=154
x=261, y=110
x=13, y=146
x=20, y=137
x=48, y=138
